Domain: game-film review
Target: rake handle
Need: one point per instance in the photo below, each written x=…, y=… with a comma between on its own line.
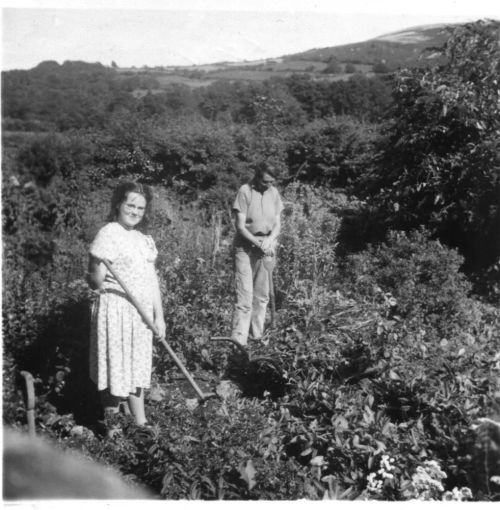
x=272, y=299
x=269, y=266
x=153, y=328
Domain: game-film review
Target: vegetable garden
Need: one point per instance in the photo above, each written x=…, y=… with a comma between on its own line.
x=387, y=332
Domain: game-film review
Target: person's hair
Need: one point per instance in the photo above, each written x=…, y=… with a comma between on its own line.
x=264, y=168
x=121, y=193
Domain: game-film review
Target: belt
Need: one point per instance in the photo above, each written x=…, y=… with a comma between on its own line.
x=261, y=234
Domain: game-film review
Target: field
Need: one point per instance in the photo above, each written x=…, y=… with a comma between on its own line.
x=260, y=74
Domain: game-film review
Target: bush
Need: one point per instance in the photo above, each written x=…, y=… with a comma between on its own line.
x=332, y=152
x=420, y=278
x=439, y=164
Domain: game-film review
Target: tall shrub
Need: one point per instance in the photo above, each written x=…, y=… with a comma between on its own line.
x=440, y=164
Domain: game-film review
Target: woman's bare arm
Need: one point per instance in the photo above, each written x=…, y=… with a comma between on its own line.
x=96, y=273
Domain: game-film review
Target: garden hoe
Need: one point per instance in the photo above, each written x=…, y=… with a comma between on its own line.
x=262, y=360
x=258, y=359
x=254, y=375
x=269, y=263
x=202, y=396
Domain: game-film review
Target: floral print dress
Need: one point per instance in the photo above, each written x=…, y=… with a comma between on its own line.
x=120, y=341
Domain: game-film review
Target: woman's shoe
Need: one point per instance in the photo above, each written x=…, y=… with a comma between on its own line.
x=145, y=430
x=113, y=432
x=111, y=424
x=105, y=430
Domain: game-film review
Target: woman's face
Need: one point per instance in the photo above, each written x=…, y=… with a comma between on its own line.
x=131, y=210
x=265, y=181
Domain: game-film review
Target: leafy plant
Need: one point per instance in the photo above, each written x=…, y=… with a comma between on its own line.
x=439, y=164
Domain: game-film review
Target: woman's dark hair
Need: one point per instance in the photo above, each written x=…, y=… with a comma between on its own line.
x=119, y=196
x=264, y=167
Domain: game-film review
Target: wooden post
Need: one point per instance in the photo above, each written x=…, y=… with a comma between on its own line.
x=217, y=227
x=30, y=402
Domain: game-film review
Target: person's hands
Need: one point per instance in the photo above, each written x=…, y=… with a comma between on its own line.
x=160, y=327
x=267, y=246
x=269, y=263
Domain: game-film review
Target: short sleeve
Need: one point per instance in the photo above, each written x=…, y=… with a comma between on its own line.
x=105, y=245
x=150, y=249
x=241, y=201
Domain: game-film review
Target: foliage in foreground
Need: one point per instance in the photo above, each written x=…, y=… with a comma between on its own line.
x=383, y=354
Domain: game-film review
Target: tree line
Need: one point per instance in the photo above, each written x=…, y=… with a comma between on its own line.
x=77, y=95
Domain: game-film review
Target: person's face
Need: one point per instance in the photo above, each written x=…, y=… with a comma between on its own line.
x=265, y=181
x=131, y=210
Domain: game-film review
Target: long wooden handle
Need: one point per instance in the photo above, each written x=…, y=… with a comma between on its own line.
x=153, y=328
x=30, y=402
x=272, y=299
x=269, y=265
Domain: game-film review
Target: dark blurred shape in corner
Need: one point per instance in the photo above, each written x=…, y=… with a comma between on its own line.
x=34, y=469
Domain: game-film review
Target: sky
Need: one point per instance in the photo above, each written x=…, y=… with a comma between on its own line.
x=192, y=32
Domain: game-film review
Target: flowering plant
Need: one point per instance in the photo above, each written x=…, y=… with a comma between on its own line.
x=381, y=481
x=427, y=485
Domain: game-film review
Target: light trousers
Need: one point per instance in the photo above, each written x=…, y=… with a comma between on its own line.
x=252, y=293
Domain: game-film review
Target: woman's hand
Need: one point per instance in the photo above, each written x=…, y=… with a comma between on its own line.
x=160, y=327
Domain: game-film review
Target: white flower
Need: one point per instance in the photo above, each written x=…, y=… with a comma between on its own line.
x=319, y=460
x=192, y=403
x=466, y=493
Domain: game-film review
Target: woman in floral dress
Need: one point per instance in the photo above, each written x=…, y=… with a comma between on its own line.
x=121, y=342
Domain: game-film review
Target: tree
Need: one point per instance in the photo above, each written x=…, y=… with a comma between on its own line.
x=360, y=96
x=333, y=66
x=380, y=67
x=71, y=95
x=217, y=99
x=331, y=152
x=440, y=160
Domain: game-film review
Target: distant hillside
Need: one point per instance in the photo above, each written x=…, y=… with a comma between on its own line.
x=398, y=49
x=382, y=54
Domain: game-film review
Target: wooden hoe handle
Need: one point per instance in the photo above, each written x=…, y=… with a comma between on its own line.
x=151, y=325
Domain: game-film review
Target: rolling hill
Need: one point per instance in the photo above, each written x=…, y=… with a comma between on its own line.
x=405, y=48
